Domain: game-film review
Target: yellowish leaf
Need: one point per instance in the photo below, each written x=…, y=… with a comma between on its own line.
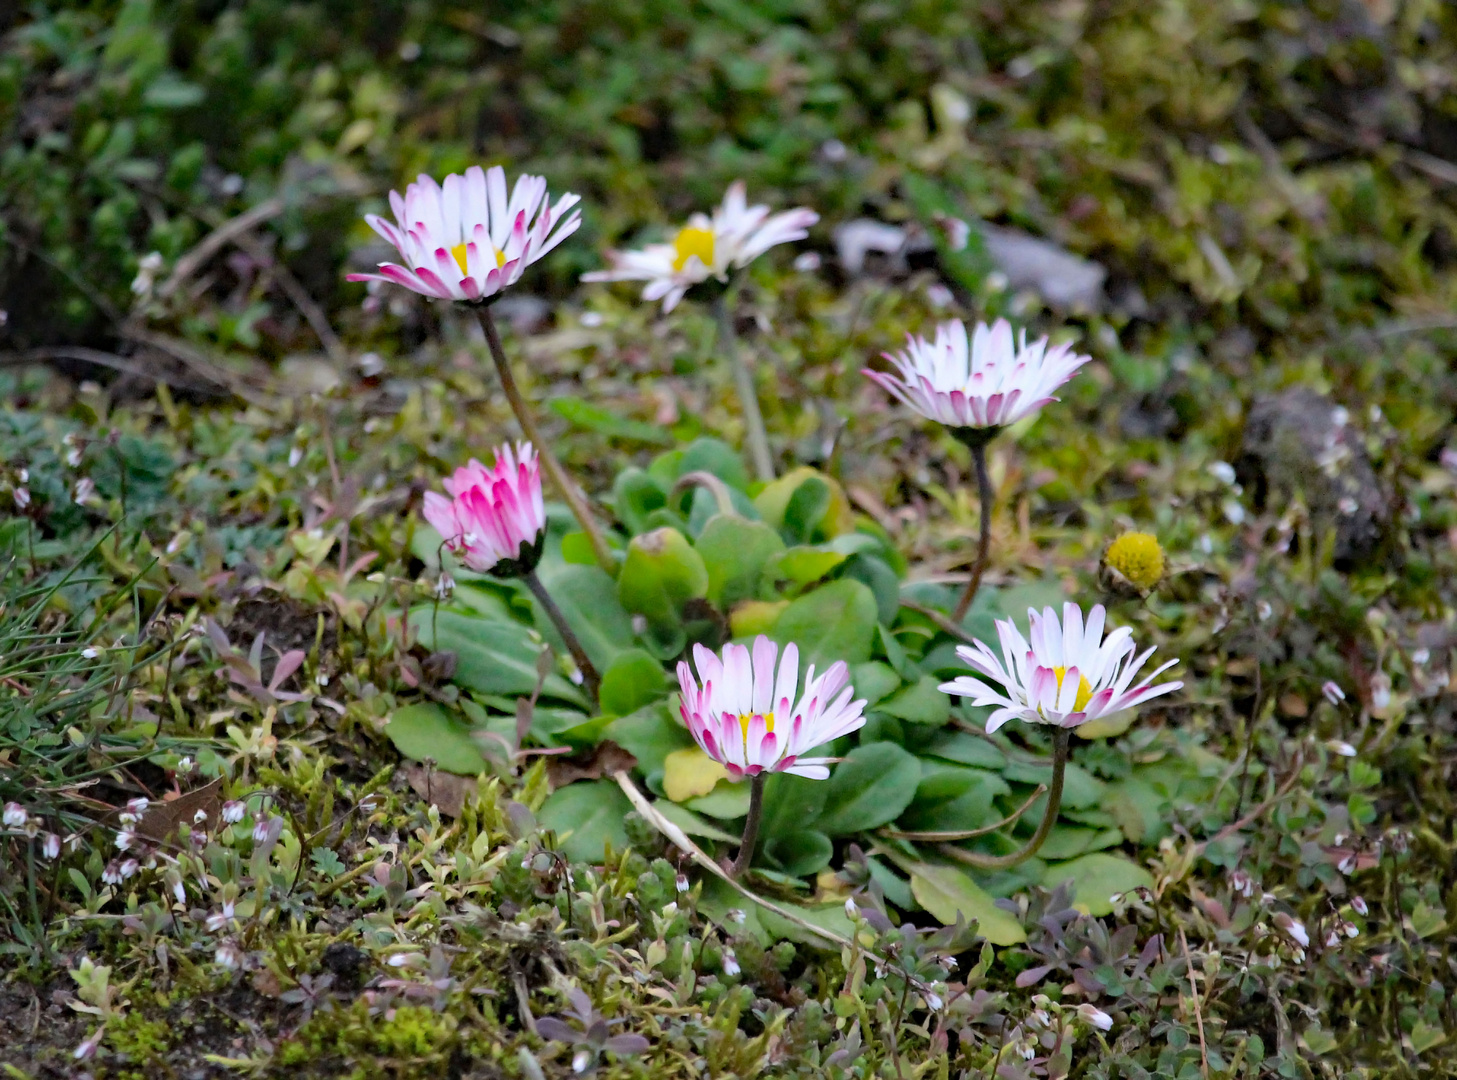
x=690, y=773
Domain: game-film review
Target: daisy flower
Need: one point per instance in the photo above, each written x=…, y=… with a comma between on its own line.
x=989, y=380
x=1068, y=675
x=494, y=519
x=707, y=247
x=466, y=239
x=745, y=717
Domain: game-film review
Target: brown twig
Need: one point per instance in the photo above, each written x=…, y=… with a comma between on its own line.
x=967, y=834
x=942, y=622
x=198, y=361
x=1198, y=1014
x=214, y=242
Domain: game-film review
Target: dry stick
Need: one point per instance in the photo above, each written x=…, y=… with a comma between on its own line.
x=214, y=242
x=589, y=673
x=978, y=445
x=751, y=827
x=941, y=621
x=967, y=834
x=754, y=433
x=1061, y=737
x=1198, y=1015
x=679, y=838
x=554, y=469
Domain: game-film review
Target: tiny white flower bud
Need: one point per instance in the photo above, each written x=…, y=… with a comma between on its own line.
x=1333, y=693
x=1095, y=1016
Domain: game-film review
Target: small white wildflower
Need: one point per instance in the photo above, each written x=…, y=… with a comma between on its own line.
x=260, y=828
x=184, y=766
x=199, y=817
x=87, y=1049
x=1381, y=691
x=233, y=811
x=444, y=587
x=591, y=319
x=1293, y=927
x=1340, y=416
x=1264, y=610
x=125, y=838
x=218, y=920
x=84, y=492
x=15, y=815
x=1421, y=656
x=934, y=1002
x=807, y=262
x=1339, y=748
x=137, y=806
x=1332, y=939
x=1095, y=1016
x=736, y=916
x=1358, y=905
x=50, y=846
x=1350, y=929
x=581, y=1061
x=89, y=653
x=939, y=295
x=1242, y=883
x=1333, y=693
x=295, y=456
x=1348, y=505
x=147, y=270
x=228, y=956
x=681, y=882
x=851, y=911
x=730, y=963
x=1222, y=471
x=398, y=960
x=22, y=497
x=128, y=868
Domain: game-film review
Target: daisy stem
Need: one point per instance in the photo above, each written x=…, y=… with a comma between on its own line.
x=590, y=678
x=554, y=468
x=983, y=547
x=1061, y=740
x=751, y=827
x=754, y=433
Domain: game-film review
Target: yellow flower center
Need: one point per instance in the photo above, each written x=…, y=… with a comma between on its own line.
x=689, y=242
x=458, y=253
x=1085, y=689
x=746, y=718
x=1138, y=557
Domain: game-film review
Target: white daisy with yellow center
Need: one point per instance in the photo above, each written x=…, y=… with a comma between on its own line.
x=467, y=239
x=1068, y=674
x=986, y=379
x=749, y=715
x=707, y=247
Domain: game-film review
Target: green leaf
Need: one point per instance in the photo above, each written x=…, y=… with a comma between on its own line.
x=873, y=681
x=734, y=553
x=327, y=862
x=946, y=892
x=583, y=414
x=650, y=735
x=632, y=680
x=427, y=732
x=950, y=798
x=799, y=854
x=920, y=703
x=710, y=455
x=635, y=495
x=727, y=801
x=870, y=787
x=968, y=265
x=836, y=622
x=800, y=566
x=588, y=599
x=790, y=802
x=1079, y=787
x=805, y=510
x=966, y=749
x=593, y=812
x=1097, y=877
x=661, y=573
x=691, y=823
x=491, y=657
x=773, y=503
x=880, y=579
x=1070, y=841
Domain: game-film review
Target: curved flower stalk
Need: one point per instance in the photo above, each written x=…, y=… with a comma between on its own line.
x=713, y=248
x=749, y=715
x=468, y=240
x=976, y=385
x=494, y=521
x=1066, y=675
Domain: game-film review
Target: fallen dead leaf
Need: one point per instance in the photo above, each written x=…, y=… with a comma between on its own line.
x=442, y=789
x=606, y=758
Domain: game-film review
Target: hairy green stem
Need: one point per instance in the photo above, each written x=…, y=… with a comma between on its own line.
x=1061, y=740
x=983, y=547
x=754, y=433
x=554, y=469
x=751, y=827
x=590, y=678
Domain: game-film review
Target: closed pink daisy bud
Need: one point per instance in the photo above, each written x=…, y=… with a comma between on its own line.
x=467, y=239
x=494, y=519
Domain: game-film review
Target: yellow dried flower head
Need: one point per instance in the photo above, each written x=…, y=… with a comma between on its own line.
x=1138, y=557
